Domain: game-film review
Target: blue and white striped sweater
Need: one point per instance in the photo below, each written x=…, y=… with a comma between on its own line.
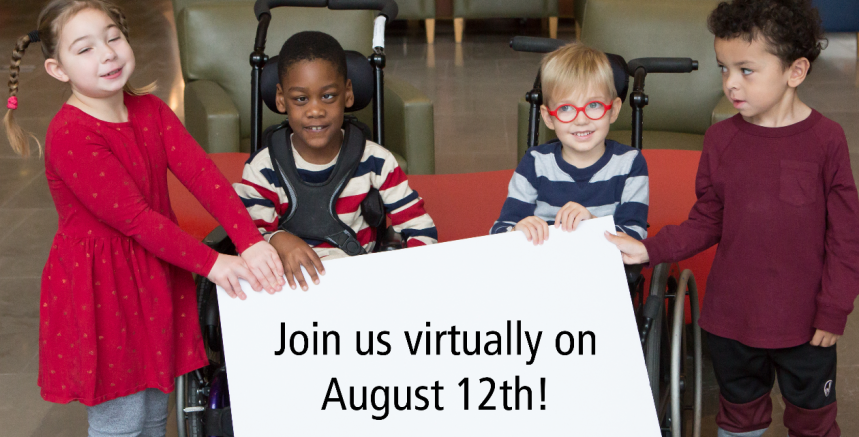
x=616, y=185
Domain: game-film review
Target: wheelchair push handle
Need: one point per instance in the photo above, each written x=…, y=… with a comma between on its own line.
x=388, y=8
x=663, y=65
x=535, y=44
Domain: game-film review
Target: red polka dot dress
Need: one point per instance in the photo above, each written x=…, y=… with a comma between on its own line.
x=118, y=311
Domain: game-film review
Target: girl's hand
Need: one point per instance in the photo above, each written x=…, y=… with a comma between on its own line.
x=226, y=273
x=535, y=229
x=294, y=253
x=824, y=339
x=570, y=215
x=263, y=262
x=632, y=250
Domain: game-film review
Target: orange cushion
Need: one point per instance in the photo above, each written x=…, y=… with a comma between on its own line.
x=463, y=205
x=193, y=218
x=672, y=194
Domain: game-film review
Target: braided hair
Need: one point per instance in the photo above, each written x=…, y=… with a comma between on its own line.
x=51, y=19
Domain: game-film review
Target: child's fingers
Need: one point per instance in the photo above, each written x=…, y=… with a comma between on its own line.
x=535, y=235
x=246, y=273
x=299, y=276
x=541, y=231
x=266, y=277
x=311, y=270
x=617, y=240
x=317, y=263
x=237, y=288
x=228, y=288
x=525, y=230
x=817, y=339
x=560, y=217
x=277, y=267
x=579, y=217
x=290, y=278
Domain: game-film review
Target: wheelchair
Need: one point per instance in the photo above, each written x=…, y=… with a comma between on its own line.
x=202, y=396
x=660, y=313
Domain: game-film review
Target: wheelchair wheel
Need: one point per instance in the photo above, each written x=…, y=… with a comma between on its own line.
x=667, y=351
x=680, y=353
x=190, y=404
x=193, y=389
x=655, y=339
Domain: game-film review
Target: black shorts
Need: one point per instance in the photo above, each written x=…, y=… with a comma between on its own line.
x=806, y=373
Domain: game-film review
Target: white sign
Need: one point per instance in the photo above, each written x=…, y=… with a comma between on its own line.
x=484, y=336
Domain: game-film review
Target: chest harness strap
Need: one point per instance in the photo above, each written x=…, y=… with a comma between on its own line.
x=312, y=213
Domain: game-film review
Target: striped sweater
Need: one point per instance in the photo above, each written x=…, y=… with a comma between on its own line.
x=266, y=201
x=616, y=185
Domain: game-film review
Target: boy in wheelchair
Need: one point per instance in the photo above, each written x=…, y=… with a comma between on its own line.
x=316, y=158
x=580, y=175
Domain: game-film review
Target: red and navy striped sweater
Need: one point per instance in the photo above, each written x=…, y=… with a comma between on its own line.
x=264, y=197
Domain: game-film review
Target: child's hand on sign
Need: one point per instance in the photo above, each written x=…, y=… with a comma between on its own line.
x=632, y=250
x=262, y=260
x=569, y=216
x=294, y=253
x=536, y=229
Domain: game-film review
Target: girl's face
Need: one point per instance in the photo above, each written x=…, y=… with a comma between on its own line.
x=93, y=55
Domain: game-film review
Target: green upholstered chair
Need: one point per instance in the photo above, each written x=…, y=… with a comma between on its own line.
x=419, y=10
x=215, y=42
x=463, y=9
x=682, y=106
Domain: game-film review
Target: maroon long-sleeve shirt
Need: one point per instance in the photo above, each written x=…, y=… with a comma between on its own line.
x=783, y=207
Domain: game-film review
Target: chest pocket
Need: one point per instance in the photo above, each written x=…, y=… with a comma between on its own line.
x=800, y=182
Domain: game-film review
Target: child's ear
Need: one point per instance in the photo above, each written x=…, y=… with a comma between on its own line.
x=350, y=96
x=798, y=70
x=52, y=66
x=280, y=99
x=547, y=119
x=616, y=106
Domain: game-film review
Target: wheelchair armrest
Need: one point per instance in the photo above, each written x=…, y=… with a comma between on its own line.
x=220, y=242
x=409, y=125
x=723, y=110
x=633, y=272
x=211, y=117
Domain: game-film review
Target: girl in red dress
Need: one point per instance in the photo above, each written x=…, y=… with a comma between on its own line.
x=118, y=315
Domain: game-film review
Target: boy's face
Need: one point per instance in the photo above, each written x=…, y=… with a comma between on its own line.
x=583, y=138
x=314, y=96
x=755, y=80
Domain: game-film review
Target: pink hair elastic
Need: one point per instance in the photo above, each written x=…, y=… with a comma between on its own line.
x=12, y=103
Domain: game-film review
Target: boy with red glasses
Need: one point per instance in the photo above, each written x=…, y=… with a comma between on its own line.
x=580, y=175
x=776, y=191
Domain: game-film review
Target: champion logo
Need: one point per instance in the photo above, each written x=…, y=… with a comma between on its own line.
x=827, y=388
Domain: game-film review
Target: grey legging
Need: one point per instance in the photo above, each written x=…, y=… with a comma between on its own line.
x=142, y=414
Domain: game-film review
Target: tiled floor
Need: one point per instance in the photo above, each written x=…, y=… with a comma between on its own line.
x=474, y=87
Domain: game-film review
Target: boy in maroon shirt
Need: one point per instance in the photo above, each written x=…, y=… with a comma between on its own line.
x=776, y=191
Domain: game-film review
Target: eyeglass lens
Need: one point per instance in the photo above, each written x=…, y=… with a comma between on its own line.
x=593, y=110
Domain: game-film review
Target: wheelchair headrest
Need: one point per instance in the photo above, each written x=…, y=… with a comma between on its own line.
x=533, y=44
x=358, y=70
x=621, y=75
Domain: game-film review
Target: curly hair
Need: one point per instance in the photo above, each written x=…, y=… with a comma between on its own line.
x=791, y=28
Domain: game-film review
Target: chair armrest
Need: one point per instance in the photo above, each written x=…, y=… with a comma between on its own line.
x=409, y=126
x=723, y=110
x=211, y=117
